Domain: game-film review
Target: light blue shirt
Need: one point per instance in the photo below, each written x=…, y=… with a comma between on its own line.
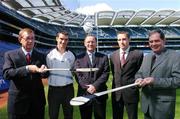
x=55, y=59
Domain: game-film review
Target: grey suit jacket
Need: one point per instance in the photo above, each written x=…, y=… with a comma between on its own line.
x=162, y=93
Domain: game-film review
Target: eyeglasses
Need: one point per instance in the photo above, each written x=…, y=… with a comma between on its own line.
x=28, y=38
x=121, y=39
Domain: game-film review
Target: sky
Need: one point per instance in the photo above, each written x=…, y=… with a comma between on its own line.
x=89, y=7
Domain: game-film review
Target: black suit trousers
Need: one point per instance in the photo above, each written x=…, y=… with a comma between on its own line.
x=118, y=109
x=98, y=107
x=35, y=111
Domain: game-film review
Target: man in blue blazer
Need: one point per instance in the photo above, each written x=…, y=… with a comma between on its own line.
x=23, y=68
x=92, y=82
x=159, y=76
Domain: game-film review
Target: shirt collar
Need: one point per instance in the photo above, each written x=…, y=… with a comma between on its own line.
x=25, y=52
x=90, y=52
x=65, y=49
x=127, y=50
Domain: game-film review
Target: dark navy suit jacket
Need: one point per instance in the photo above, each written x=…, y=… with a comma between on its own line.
x=26, y=89
x=97, y=78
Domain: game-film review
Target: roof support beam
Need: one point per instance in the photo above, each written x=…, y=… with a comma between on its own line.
x=45, y=2
x=29, y=3
x=114, y=17
x=60, y=16
x=40, y=7
x=84, y=20
x=175, y=21
x=57, y=2
x=96, y=19
x=72, y=19
x=48, y=13
x=148, y=18
x=131, y=18
x=166, y=18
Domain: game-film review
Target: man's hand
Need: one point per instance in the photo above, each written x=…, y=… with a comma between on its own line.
x=91, y=89
x=145, y=81
x=32, y=68
x=35, y=69
x=42, y=69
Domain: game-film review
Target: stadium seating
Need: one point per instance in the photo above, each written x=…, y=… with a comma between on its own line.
x=4, y=46
x=46, y=33
x=106, y=36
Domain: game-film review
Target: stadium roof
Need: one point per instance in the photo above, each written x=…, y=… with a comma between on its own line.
x=52, y=11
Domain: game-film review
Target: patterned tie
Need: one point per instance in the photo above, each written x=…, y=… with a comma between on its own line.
x=123, y=60
x=28, y=58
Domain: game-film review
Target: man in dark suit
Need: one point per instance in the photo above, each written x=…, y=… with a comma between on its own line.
x=125, y=62
x=23, y=68
x=159, y=76
x=91, y=82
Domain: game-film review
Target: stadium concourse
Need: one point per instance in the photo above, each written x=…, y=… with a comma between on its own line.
x=47, y=18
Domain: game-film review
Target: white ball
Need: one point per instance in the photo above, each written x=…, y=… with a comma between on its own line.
x=88, y=27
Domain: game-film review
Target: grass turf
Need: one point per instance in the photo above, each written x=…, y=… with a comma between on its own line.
x=76, y=115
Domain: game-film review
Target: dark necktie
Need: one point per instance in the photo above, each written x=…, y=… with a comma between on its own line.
x=123, y=60
x=28, y=58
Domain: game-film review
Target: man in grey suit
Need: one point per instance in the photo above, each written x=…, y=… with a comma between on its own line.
x=159, y=76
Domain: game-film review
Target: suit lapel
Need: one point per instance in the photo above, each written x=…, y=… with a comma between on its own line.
x=117, y=59
x=87, y=60
x=159, y=60
x=148, y=64
x=130, y=54
x=33, y=57
x=22, y=55
x=95, y=60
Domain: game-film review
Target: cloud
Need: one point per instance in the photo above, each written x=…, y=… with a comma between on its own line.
x=90, y=10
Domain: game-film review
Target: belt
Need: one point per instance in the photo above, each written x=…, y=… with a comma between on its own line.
x=68, y=85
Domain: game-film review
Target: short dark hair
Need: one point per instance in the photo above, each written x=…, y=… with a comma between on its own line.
x=123, y=32
x=62, y=32
x=162, y=36
x=90, y=35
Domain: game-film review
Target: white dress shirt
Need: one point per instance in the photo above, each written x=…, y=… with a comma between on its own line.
x=25, y=52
